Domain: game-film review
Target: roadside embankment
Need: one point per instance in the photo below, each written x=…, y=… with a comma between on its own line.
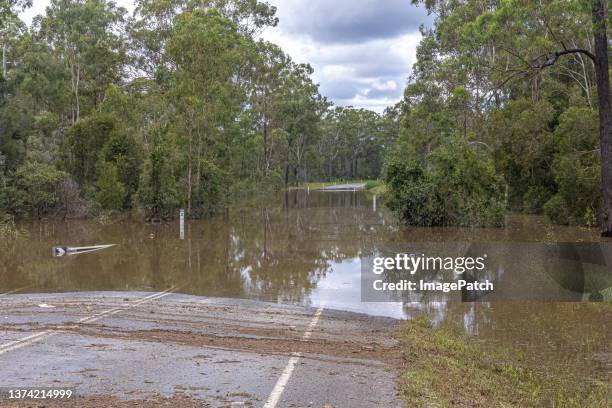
x=446, y=368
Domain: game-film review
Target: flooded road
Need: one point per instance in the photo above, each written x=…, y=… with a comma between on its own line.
x=308, y=249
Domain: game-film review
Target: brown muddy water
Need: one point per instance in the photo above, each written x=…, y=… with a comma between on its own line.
x=309, y=248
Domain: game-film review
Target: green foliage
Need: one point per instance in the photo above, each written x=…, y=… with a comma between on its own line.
x=211, y=191
x=355, y=142
x=35, y=189
x=85, y=36
x=122, y=151
x=455, y=188
x=524, y=145
x=576, y=169
x=83, y=143
x=111, y=192
x=215, y=111
x=157, y=192
x=516, y=81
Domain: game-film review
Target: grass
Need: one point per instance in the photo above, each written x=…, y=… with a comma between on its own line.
x=376, y=187
x=444, y=367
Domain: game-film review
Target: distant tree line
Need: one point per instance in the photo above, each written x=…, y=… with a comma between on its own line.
x=179, y=105
x=508, y=106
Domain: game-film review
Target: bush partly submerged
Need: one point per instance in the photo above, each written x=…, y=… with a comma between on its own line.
x=454, y=187
x=8, y=229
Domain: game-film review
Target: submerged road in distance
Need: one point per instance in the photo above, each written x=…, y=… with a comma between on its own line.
x=343, y=187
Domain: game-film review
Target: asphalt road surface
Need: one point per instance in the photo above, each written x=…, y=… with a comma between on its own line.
x=342, y=187
x=164, y=349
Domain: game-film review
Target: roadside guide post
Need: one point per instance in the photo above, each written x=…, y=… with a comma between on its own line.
x=182, y=224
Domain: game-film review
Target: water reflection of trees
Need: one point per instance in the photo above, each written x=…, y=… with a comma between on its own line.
x=275, y=248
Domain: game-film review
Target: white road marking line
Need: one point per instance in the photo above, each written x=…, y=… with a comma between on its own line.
x=110, y=312
x=10, y=292
x=280, y=385
x=17, y=344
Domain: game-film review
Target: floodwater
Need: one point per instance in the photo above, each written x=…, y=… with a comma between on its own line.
x=309, y=248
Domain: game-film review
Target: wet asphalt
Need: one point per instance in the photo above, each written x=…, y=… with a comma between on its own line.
x=216, y=352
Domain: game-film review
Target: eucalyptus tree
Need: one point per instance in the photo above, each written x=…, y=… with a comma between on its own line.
x=11, y=30
x=268, y=69
x=10, y=9
x=203, y=91
x=300, y=109
x=355, y=142
x=87, y=36
x=153, y=22
x=11, y=27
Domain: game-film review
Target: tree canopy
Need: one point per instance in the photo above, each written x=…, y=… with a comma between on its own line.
x=522, y=85
x=180, y=105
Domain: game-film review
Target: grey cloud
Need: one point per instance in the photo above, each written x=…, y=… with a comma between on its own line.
x=343, y=89
x=385, y=94
x=383, y=68
x=350, y=21
x=366, y=59
x=361, y=50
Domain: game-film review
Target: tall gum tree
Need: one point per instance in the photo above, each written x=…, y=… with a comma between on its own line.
x=85, y=34
x=203, y=90
x=10, y=25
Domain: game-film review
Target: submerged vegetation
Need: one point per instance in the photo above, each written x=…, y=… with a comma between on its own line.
x=455, y=187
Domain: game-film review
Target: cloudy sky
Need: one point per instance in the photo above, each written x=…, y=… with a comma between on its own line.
x=361, y=50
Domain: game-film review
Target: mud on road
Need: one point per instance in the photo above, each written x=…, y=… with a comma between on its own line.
x=117, y=350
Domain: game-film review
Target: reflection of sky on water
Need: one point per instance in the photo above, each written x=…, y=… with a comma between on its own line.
x=341, y=290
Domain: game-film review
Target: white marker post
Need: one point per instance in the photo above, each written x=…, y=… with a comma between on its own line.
x=374, y=204
x=182, y=224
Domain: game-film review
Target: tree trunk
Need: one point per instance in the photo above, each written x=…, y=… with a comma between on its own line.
x=265, y=147
x=286, y=175
x=604, y=95
x=189, y=171
x=4, y=61
x=76, y=93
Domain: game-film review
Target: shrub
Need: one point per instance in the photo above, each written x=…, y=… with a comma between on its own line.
x=121, y=149
x=212, y=190
x=454, y=187
x=576, y=169
x=35, y=188
x=83, y=143
x=157, y=190
x=523, y=145
x=111, y=192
